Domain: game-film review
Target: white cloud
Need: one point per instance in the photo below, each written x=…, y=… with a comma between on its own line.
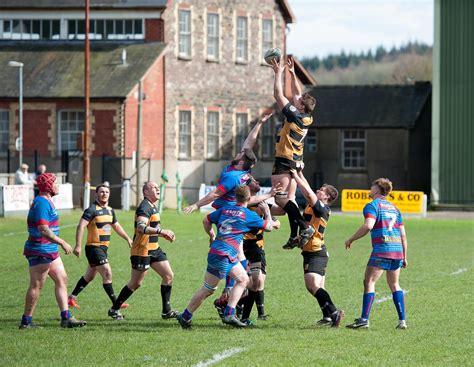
x=324, y=27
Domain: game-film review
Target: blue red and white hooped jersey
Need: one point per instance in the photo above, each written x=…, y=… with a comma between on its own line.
x=232, y=221
x=42, y=211
x=386, y=238
x=229, y=180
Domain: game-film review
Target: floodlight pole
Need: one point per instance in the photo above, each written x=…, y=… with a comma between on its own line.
x=85, y=144
x=19, y=65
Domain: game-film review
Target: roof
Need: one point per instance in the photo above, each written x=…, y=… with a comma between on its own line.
x=286, y=10
x=380, y=106
x=57, y=70
x=76, y=4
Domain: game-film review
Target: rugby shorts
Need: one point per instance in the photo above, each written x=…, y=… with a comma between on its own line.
x=143, y=262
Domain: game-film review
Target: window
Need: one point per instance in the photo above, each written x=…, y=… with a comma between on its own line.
x=71, y=126
x=310, y=145
x=242, y=39
x=102, y=29
x=212, y=36
x=242, y=131
x=353, y=149
x=27, y=29
x=267, y=35
x=4, y=131
x=212, y=135
x=184, y=33
x=268, y=139
x=184, y=134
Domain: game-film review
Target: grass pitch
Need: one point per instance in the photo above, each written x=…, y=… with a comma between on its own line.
x=439, y=304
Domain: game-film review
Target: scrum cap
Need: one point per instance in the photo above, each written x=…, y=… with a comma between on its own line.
x=45, y=182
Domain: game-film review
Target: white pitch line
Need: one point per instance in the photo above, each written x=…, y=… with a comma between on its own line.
x=386, y=298
x=219, y=357
x=25, y=232
x=459, y=271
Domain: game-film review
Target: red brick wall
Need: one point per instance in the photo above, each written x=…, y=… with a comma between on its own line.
x=104, y=132
x=35, y=131
x=154, y=30
x=152, y=115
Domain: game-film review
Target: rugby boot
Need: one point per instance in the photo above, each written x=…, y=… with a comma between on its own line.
x=115, y=314
x=173, y=314
x=402, y=325
x=233, y=321
x=336, y=318
x=123, y=306
x=29, y=326
x=72, y=322
x=325, y=321
x=248, y=322
x=185, y=324
x=359, y=324
x=72, y=302
x=305, y=236
x=291, y=243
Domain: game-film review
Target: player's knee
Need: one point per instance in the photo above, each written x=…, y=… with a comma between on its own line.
x=168, y=278
x=209, y=288
x=242, y=279
x=281, y=198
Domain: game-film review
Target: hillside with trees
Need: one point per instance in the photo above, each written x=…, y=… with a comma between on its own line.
x=405, y=65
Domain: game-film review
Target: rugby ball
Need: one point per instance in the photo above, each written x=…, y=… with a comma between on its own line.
x=273, y=53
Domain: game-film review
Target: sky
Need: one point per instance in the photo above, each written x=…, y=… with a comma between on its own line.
x=330, y=26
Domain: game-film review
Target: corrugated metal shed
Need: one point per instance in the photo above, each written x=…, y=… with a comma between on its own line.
x=453, y=104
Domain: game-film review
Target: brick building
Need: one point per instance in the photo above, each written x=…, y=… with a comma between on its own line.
x=204, y=81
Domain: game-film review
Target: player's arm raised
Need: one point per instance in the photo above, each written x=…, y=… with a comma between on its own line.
x=278, y=69
x=295, y=86
x=209, y=198
x=308, y=193
x=253, y=134
x=79, y=234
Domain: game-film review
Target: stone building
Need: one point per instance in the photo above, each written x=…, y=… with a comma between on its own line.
x=204, y=83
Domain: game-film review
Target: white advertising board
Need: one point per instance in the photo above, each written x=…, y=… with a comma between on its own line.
x=64, y=199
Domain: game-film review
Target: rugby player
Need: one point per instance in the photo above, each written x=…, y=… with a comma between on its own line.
x=41, y=251
x=289, y=150
x=99, y=218
x=254, y=251
x=315, y=255
x=389, y=251
x=146, y=253
x=232, y=221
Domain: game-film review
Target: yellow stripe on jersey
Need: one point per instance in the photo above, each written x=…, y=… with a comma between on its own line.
x=99, y=227
x=255, y=236
x=290, y=139
x=316, y=216
x=142, y=243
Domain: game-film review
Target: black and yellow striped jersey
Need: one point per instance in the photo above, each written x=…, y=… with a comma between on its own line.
x=316, y=216
x=142, y=242
x=254, y=237
x=290, y=140
x=100, y=219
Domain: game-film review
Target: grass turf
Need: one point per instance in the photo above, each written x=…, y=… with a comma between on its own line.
x=438, y=304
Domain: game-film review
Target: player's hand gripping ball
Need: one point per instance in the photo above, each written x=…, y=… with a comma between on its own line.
x=273, y=53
